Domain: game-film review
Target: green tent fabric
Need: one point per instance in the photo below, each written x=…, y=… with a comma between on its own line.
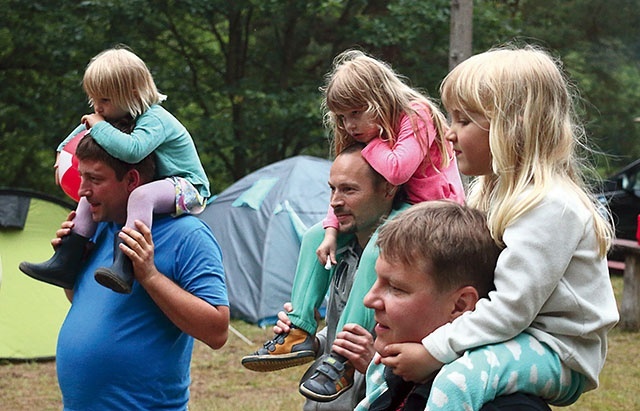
x=31, y=312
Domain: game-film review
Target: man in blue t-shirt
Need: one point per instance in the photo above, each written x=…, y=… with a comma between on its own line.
x=133, y=351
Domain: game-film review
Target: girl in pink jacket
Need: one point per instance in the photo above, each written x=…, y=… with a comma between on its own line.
x=367, y=102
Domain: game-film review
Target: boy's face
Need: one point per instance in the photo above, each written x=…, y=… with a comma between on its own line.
x=407, y=304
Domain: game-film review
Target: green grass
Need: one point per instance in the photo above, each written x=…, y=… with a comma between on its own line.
x=220, y=383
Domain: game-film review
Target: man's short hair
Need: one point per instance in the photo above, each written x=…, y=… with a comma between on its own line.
x=89, y=149
x=446, y=240
x=400, y=196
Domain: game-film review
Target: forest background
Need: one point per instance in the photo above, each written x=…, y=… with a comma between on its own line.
x=244, y=75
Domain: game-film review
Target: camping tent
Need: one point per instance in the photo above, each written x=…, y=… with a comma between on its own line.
x=259, y=222
x=31, y=312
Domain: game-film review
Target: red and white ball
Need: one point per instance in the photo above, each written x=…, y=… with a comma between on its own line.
x=68, y=174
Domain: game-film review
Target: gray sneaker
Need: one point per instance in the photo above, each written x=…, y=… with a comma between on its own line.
x=330, y=380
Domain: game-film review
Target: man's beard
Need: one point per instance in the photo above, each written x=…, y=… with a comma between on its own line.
x=351, y=229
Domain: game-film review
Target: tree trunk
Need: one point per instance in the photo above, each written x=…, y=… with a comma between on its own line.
x=461, y=31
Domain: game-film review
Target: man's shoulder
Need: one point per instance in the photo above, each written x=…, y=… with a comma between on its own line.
x=186, y=233
x=184, y=224
x=398, y=209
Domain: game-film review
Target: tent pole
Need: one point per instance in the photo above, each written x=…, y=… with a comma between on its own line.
x=239, y=334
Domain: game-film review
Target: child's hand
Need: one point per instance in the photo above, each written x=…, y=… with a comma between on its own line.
x=90, y=120
x=410, y=361
x=326, y=252
x=55, y=169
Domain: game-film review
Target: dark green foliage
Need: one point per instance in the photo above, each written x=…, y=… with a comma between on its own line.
x=243, y=76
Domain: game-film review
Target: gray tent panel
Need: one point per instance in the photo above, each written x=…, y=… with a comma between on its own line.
x=259, y=222
x=14, y=211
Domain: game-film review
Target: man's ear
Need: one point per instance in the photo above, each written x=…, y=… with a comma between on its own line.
x=132, y=177
x=464, y=299
x=390, y=189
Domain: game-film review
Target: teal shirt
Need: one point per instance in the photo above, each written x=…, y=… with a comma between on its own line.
x=158, y=131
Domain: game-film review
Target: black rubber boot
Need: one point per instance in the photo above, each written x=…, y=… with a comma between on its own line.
x=63, y=268
x=118, y=277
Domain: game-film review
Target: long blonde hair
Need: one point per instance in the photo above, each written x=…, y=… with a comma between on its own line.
x=534, y=133
x=123, y=77
x=358, y=80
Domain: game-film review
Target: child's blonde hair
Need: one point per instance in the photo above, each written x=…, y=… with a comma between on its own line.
x=533, y=133
x=123, y=77
x=360, y=81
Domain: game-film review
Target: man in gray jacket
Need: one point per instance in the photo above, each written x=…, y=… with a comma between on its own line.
x=368, y=209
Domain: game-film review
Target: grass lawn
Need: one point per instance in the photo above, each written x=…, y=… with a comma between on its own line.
x=219, y=382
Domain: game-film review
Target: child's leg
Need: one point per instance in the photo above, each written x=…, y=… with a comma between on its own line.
x=519, y=365
x=335, y=375
x=83, y=223
x=311, y=280
x=154, y=197
x=310, y=286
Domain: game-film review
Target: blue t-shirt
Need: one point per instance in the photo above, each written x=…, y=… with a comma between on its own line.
x=119, y=351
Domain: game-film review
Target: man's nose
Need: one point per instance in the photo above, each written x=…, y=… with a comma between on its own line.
x=336, y=200
x=370, y=299
x=83, y=190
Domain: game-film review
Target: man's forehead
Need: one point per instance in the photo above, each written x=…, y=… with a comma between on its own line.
x=352, y=177
x=93, y=167
x=350, y=163
x=346, y=181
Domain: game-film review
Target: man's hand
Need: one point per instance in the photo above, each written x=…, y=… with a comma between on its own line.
x=65, y=229
x=410, y=361
x=138, y=246
x=190, y=313
x=355, y=344
x=284, y=323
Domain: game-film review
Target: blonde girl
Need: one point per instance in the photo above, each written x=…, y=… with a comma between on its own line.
x=367, y=102
x=121, y=90
x=544, y=329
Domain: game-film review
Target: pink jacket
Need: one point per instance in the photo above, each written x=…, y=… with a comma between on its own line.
x=407, y=164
